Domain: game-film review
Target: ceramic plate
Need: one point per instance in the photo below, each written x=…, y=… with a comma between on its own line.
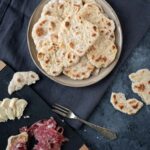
x=62, y=79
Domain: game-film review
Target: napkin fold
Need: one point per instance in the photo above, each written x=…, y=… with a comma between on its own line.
x=14, y=18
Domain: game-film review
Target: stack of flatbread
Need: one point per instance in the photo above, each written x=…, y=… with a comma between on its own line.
x=74, y=37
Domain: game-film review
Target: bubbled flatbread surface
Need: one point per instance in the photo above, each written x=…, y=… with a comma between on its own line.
x=61, y=8
x=68, y=57
x=20, y=79
x=93, y=13
x=130, y=106
x=80, y=71
x=78, y=34
x=49, y=60
x=102, y=53
x=45, y=31
x=76, y=27
x=141, y=84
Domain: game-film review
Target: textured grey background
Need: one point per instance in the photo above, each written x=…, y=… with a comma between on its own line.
x=133, y=131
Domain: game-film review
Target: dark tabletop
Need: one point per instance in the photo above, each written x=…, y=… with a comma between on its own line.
x=133, y=131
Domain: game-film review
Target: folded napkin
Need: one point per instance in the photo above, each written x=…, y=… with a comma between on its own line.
x=14, y=17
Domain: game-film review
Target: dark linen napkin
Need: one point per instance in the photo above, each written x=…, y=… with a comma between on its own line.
x=14, y=16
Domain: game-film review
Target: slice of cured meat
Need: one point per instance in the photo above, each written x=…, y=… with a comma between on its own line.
x=48, y=135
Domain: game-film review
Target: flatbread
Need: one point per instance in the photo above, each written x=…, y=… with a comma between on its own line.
x=141, y=84
x=20, y=79
x=49, y=61
x=80, y=71
x=77, y=34
x=20, y=107
x=17, y=141
x=45, y=31
x=61, y=8
x=12, y=108
x=102, y=53
x=8, y=110
x=130, y=106
x=93, y=13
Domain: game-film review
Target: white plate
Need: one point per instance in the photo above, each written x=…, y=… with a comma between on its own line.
x=62, y=79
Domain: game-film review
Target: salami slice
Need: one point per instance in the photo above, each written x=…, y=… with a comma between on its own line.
x=48, y=135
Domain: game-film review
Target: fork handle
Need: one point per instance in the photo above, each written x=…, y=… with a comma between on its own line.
x=104, y=131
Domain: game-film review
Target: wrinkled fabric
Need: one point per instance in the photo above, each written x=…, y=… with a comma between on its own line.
x=14, y=18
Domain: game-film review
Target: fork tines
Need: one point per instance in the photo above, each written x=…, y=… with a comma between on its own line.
x=61, y=110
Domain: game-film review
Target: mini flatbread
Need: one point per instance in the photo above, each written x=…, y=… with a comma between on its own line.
x=91, y=12
x=78, y=34
x=17, y=141
x=130, y=106
x=141, y=84
x=61, y=8
x=20, y=79
x=49, y=61
x=102, y=53
x=45, y=31
x=94, y=14
x=80, y=71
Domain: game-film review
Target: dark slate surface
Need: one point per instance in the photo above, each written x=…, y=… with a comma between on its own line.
x=134, y=131
x=37, y=109
x=14, y=17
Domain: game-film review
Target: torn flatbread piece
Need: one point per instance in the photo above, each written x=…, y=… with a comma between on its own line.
x=20, y=79
x=80, y=71
x=141, y=84
x=130, y=106
x=77, y=34
x=18, y=142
